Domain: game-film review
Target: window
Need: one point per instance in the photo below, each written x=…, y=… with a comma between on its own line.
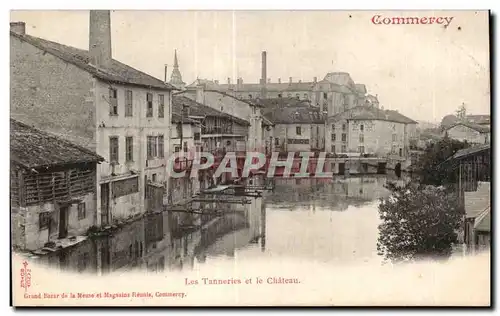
x=197, y=136
x=325, y=95
x=154, y=177
x=113, y=149
x=185, y=147
x=361, y=138
x=151, y=149
x=344, y=137
x=298, y=130
x=400, y=152
x=81, y=211
x=128, y=103
x=297, y=96
x=333, y=127
x=361, y=149
x=161, y=146
x=113, y=102
x=394, y=137
x=333, y=148
x=344, y=148
x=149, y=105
x=334, y=137
x=279, y=95
x=177, y=149
x=129, y=149
x=306, y=96
x=44, y=220
x=344, y=127
x=362, y=127
x=161, y=105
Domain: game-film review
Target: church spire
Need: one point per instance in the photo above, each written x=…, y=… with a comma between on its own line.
x=176, y=77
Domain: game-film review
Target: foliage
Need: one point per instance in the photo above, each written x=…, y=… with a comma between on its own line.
x=418, y=222
x=431, y=166
x=448, y=121
x=461, y=112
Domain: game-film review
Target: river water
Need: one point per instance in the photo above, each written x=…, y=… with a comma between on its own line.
x=325, y=220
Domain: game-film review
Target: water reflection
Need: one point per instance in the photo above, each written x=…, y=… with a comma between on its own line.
x=265, y=227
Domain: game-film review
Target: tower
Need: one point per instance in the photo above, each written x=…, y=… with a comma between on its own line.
x=176, y=77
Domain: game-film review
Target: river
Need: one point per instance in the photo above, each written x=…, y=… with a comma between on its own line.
x=326, y=220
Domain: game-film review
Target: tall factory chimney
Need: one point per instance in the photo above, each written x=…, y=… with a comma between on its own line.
x=263, y=79
x=100, y=38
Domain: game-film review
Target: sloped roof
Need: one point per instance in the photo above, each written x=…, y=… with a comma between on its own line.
x=361, y=88
x=33, y=148
x=294, y=115
x=198, y=109
x=117, y=72
x=483, y=221
x=273, y=86
x=205, y=83
x=340, y=78
x=476, y=202
x=476, y=127
x=466, y=152
x=373, y=113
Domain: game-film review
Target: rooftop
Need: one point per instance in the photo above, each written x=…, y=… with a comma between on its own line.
x=117, y=72
x=198, y=109
x=476, y=127
x=373, y=113
x=294, y=115
x=33, y=148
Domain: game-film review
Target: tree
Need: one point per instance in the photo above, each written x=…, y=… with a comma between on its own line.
x=418, y=222
x=461, y=112
x=448, y=121
x=431, y=164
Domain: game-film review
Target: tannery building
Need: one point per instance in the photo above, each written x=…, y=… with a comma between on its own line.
x=108, y=107
x=52, y=187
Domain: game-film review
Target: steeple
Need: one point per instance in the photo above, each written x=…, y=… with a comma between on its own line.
x=176, y=77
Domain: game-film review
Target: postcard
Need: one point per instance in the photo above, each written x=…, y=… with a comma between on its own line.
x=250, y=158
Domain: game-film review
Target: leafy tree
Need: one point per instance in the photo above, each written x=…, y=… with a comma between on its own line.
x=431, y=165
x=418, y=222
x=461, y=112
x=448, y=121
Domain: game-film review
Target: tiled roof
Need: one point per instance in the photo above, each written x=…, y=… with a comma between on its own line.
x=466, y=152
x=476, y=127
x=483, y=221
x=33, y=148
x=294, y=115
x=476, y=202
x=198, y=109
x=117, y=72
x=373, y=113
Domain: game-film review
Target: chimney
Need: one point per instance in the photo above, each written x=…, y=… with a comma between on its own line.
x=264, y=66
x=290, y=79
x=200, y=95
x=315, y=79
x=100, y=37
x=18, y=27
x=228, y=80
x=279, y=80
x=165, y=79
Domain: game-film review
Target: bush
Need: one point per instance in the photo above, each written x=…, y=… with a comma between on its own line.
x=418, y=222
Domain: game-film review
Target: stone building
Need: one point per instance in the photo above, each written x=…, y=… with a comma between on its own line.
x=297, y=126
x=52, y=188
x=469, y=132
x=370, y=130
x=91, y=99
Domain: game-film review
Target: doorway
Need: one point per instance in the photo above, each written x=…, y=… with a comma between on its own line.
x=63, y=222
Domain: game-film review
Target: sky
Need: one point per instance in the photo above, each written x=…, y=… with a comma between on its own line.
x=423, y=71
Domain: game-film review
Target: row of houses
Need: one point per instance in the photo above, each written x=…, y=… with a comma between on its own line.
x=128, y=123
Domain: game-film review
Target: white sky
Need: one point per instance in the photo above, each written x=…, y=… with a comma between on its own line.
x=424, y=71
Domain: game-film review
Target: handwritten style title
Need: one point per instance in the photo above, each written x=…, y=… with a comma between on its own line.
x=381, y=20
